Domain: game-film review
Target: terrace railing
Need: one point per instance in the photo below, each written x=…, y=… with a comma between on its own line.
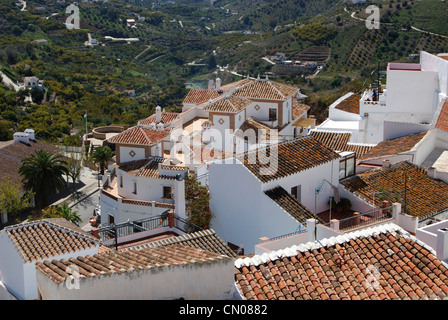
x=366, y=218
x=133, y=227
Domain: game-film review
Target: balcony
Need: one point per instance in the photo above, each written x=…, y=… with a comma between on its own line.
x=131, y=233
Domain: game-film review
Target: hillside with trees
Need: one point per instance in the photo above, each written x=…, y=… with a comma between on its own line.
x=185, y=43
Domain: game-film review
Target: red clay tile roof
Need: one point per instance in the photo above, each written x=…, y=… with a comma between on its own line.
x=166, y=118
x=298, y=108
x=228, y=104
x=350, y=104
x=124, y=262
x=394, y=146
x=266, y=89
x=12, y=153
x=291, y=157
x=198, y=96
x=442, y=120
x=236, y=84
x=424, y=196
x=339, y=141
x=43, y=239
x=258, y=127
x=379, y=263
x=148, y=168
x=290, y=204
x=139, y=135
x=207, y=240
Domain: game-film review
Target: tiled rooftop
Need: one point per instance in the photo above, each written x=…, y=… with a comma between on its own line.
x=256, y=125
x=206, y=240
x=394, y=146
x=266, y=89
x=44, y=239
x=442, y=120
x=298, y=108
x=424, y=195
x=228, y=104
x=339, y=141
x=11, y=154
x=123, y=262
x=145, y=168
x=380, y=263
x=290, y=204
x=166, y=117
x=139, y=135
x=198, y=96
x=350, y=104
x=292, y=156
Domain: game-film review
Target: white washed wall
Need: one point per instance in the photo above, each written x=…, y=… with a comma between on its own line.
x=196, y=281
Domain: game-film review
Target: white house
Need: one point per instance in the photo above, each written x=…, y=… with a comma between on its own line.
x=272, y=192
x=141, y=189
x=413, y=95
x=33, y=82
x=24, y=245
x=215, y=123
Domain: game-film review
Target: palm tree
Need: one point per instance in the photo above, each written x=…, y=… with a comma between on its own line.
x=101, y=156
x=43, y=173
x=69, y=215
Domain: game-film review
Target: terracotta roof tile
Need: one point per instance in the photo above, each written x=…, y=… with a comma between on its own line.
x=126, y=261
x=298, y=109
x=292, y=156
x=394, y=146
x=339, y=141
x=228, y=104
x=266, y=89
x=290, y=204
x=330, y=272
x=43, y=239
x=139, y=135
x=198, y=96
x=166, y=117
x=350, y=104
x=442, y=120
x=207, y=240
x=425, y=196
x=11, y=154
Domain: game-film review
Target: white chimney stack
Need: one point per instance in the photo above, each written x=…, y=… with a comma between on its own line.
x=442, y=244
x=211, y=85
x=30, y=133
x=179, y=196
x=386, y=164
x=432, y=172
x=21, y=137
x=158, y=114
x=218, y=84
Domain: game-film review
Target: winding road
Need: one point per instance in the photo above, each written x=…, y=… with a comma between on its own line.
x=352, y=15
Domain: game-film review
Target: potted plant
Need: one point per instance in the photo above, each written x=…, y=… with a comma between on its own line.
x=344, y=204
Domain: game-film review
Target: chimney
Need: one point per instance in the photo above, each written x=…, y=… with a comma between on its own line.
x=386, y=164
x=95, y=233
x=432, y=172
x=179, y=196
x=30, y=133
x=21, y=137
x=211, y=85
x=158, y=114
x=171, y=218
x=218, y=84
x=442, y=244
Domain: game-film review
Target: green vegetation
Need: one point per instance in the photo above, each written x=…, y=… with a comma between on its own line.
x=229, y=33
x=43, y=174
